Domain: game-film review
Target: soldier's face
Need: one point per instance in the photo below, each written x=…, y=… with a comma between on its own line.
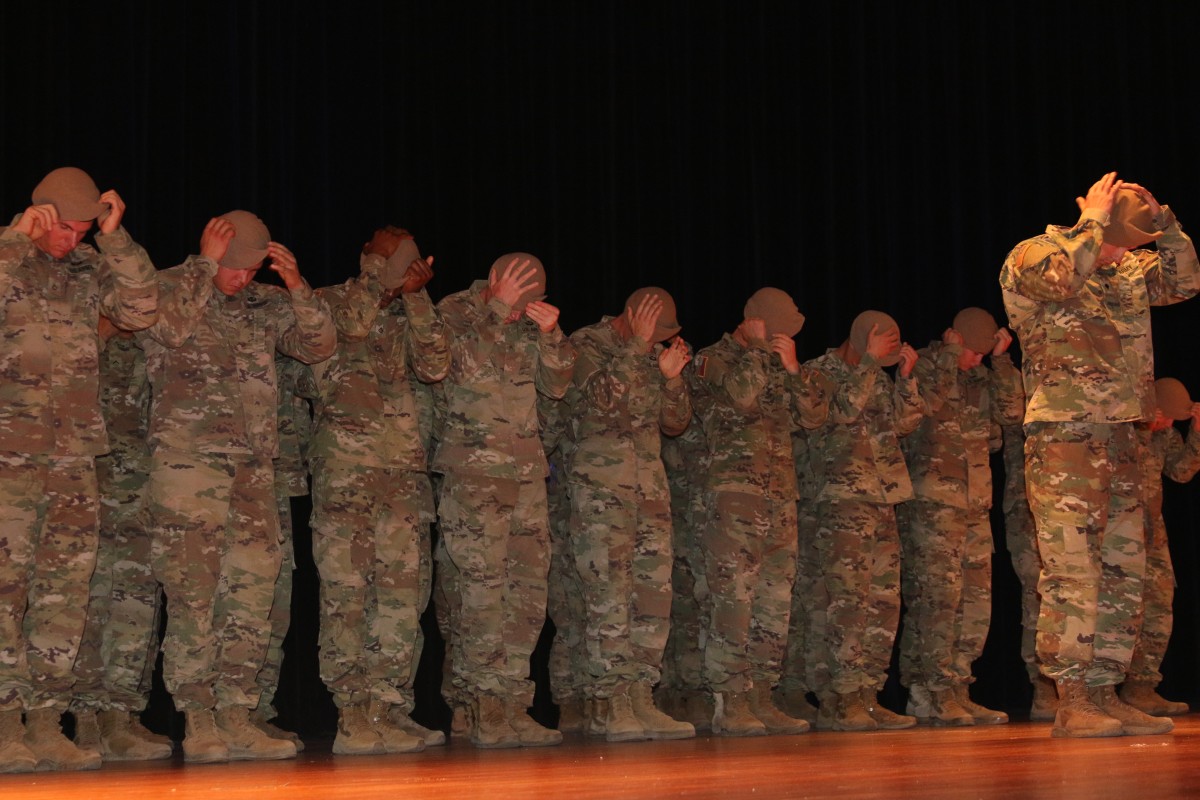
x=63, y=237
x=231, y=281
x=969, y=359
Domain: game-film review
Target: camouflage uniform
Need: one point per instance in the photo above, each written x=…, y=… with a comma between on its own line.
x=1164, y=452
x=120, y=640
x=945, y=531
x=806, y=667
x=51, y=430
x=749, y=406
x=860, y=475
x=372, y=500
x=214, y=435
x=492, y=502
x=621, y=405
x=1089, y=372
x=1020, y=536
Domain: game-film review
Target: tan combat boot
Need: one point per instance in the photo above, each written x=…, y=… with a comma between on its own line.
x=946, y=711
x=1045, y=700
x=795, y=704
x=885, y=718
x=596, y=710
x=1145, y=697
x=981, y=714
x=119, y=742
x=621, y=724
x=201, y=742
x=571, y=716
x=654, y=722
x=14, y=755
x=275, y=732
x=395, y=739
x=826, y=711
x=355, y=736
x=696, y=707
x=851, y=715
x=460, y=721
x=1133, y=721
x=491, y=729
x=1078, y=716
x=142, y=732
x=733, y=716
x=529, y=731
x=774, y=720
x=245, y=741
x=431, y=737
x=44, y=738
x=87, y=731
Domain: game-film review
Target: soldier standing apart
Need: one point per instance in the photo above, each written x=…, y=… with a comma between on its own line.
x=1079, y=300
x=372, y=499
x=751, y=392
x=506, y=347
x=213, y=433
x=945, y=530
x=1164, y=452
x=52, y=290
x=860, y=476
x=626, y=393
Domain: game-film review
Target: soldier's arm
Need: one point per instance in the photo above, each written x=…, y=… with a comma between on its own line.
x=675, y=413
x=592, y=376
x=555, y=365
x=309, y=334
x=355, y=303
x=936, y=378
x=14, y=247
x=909, y=406
x=183, y=295
x=1182, y=461
x=850, y=396
x=1172, y=271
x=428, y=341
x=812, y=393
x=741, y=382
x=1054, y=267
x=1007, y=392
x=128, y=282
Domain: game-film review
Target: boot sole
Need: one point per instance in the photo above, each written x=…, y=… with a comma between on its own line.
x=1145, y=730
x=495, y=745
x=668, y=735
x=630, y=736
x=1063, y=733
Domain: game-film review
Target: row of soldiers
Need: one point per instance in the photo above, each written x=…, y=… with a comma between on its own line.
x=791, y=501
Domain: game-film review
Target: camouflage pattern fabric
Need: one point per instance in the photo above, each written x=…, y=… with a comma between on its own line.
x=806, y=666
x=1020, y=535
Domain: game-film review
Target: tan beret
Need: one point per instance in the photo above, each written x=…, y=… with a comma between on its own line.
x=538, y=290
x=72, y=192
x=776, y=308
x=1131, y=224
x=667, y=324
x=978, y=329
x=862, y=326
x=397, y=263
x=248, y=247
x=1172, y=398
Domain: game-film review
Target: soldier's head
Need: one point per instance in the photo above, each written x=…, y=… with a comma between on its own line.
x=396, y=266
x=75, y=197
x=776, y=309
x=883, y=325
x=978, y=329
x=1130, y=223
x=667, y=324
x=1172, y=402
x=535, y=283
x=246, y=253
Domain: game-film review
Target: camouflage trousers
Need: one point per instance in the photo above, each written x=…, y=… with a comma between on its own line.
x=48, y=530
x=805, y=668
x=946, y=585
x=858, y=547
x=120, y=640
x=1157, y=595
x=216, y=551
x=370, y=527
x=1020, y=535
x=621, y=543
x=447, y=606
x=497, y=536
x=565, y=606
x=750, y=559
x=683, y=659
x=1084, y=491
x=280, y=617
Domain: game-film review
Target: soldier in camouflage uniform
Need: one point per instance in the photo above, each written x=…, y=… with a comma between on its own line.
x=626, y=393
x=1079, y=299
x=52, y=290
x=751, y=393
x=859, y=476
x=1164, y=452
x=120, y=641
x=945, y=530
x=372, y=499
x=506, y=347
x=213, y=435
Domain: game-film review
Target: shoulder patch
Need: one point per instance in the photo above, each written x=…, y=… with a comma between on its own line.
x=701, y=364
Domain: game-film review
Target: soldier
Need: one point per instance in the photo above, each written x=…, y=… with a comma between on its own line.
x=506, y=347
x=945, y=530
x=1164, y=452
x=213, y=436
x=860, y=476
x=1079, y=299
x=626, y=393
x=372, y=500
x=52, y=290
x=752, y=392
x=120, y=642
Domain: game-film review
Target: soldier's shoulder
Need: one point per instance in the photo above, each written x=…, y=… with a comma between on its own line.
x=1032, y=251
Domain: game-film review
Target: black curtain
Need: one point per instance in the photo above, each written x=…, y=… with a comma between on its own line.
x=857, y=154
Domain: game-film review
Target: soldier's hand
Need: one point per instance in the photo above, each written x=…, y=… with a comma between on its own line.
x=544, y=315
x=785, y=346
x=672, y=359
x=908, y=359
x=880, y=345
x=1102, y=195
x=214, y=241
x=643, y=320
x=1196, y=416
x=754, y=329
x=37, y=221
x=1155, y=207
x=385, y=241
x=419, y=273
x=951, y=336
x=111, y=219
x=1003, y=341
x=283, y=263
x=515, y=280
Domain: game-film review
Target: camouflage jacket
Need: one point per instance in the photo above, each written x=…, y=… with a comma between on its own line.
x=125, y=402
x=948, y=454
x=295, y=428
x=749, y=405
x=856, y=455
x=366, y=411
x=1014, y=467
x=211, y=359
x=1166, y=452
x=1084, y=328
x=50, y=348
x=490, y=425
x=620, y=405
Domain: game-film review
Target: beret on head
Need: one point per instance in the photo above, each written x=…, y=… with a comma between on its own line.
x=249, y=245
x=73, y=193
x=668, y=323
x=1130, y=224
x=397, y=263
x=861, y=327
x=776, y=308
x=535, y=292
x=1171, y=397
x=978, y=329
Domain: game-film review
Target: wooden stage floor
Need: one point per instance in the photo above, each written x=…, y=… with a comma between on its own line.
x=1018, y=760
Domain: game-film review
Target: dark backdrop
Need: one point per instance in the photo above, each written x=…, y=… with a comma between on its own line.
x=856, y=154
